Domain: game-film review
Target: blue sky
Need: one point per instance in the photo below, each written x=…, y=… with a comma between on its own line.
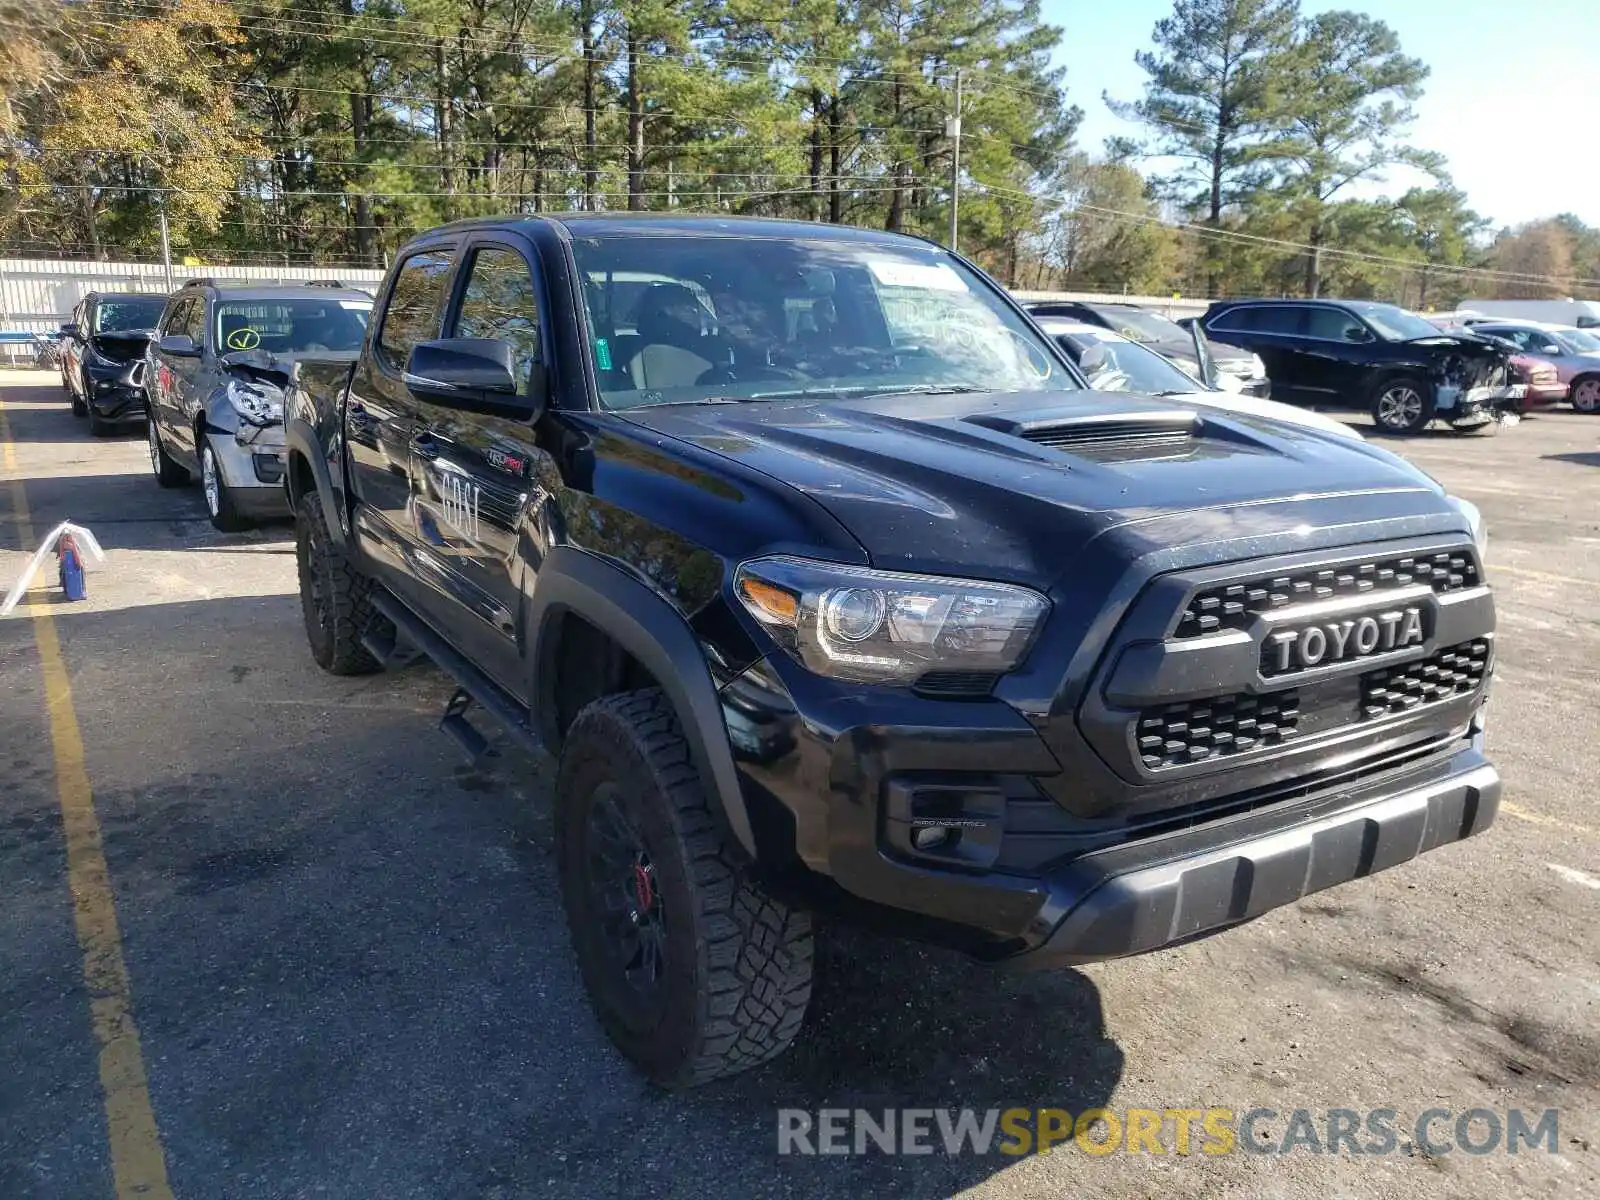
x=1513, y=101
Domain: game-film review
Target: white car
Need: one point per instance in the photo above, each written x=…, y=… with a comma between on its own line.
x=1113, y=363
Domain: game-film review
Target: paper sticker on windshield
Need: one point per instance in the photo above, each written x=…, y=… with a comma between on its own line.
x=356, y=305
x=897, y=272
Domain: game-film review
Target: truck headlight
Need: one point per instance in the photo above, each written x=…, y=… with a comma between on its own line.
x=1480, y=531
x=256, y=404
x=886, y=627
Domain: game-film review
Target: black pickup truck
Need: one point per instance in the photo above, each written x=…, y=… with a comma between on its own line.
x=833, y=587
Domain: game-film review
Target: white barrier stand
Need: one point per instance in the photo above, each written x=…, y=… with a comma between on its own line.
x=88, y=547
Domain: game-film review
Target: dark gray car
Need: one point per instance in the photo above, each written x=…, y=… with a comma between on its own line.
x=214, y=380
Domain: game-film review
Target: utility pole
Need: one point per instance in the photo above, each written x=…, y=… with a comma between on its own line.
x=952, y=130
x=166, y=246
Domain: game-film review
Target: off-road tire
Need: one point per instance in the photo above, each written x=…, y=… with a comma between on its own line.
x=168, y=473
x=737, y=962
x=335, y=596
x=1382, y=415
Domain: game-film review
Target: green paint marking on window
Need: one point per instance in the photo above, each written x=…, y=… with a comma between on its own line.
x=602, y=353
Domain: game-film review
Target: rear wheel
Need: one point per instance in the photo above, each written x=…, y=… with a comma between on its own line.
x=693, y=969
x=1586, y=394
x=1402, y=405
x=79, y=408
x=335, y=596
x=167, y=472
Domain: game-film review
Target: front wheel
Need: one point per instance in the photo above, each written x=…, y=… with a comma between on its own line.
x=220, y=505
x=1586, y=395
x=1403, y=405
x=335, y=595
x=693, y=969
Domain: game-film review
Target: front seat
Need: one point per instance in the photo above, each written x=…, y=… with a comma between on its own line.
x=673, y=346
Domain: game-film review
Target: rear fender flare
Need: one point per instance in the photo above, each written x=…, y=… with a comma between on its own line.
x=655, y=633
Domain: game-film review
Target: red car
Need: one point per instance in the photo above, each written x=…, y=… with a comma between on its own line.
x=1544, y=387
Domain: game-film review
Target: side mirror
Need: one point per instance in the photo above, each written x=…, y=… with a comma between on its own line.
x=178, y=345
x=475, y=375
x=1355, y=333
x=70, y=329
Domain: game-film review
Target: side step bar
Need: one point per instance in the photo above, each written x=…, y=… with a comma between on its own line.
x=474, y=687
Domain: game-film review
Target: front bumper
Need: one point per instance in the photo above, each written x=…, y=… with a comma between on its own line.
x=1025, y=879
x=1479, y=405
x=253, y=471
x=1141, y=897
x=1541, y=397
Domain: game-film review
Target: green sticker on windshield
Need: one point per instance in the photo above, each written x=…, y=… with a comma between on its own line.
x=602, y=354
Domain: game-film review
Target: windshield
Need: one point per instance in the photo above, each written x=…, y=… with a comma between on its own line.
x=291, y=326
x=1394, y=323
x=1113, y=364
x=1577, y=341
x=1141, y=326
x=120, y=316
x=676, y=320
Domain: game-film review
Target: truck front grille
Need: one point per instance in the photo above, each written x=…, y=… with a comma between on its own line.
x=1453, y=671
x=1235, y=605
x=1178, y=734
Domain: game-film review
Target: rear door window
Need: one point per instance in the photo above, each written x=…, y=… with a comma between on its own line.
x=1336, y=325
x=413, y=314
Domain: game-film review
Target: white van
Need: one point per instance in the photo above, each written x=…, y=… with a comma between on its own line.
x=1582, y=313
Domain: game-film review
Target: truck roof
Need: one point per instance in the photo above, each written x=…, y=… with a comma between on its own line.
x=582, y=224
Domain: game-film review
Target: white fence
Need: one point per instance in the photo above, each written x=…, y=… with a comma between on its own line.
x=36, y=295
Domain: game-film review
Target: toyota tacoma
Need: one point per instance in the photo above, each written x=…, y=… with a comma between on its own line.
x=833, y=587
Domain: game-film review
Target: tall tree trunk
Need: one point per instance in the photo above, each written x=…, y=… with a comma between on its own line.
x=442, y=118
x=89, y=224
x=835, y=161
x=635, y=123
x=897, y=197
x=814, y=204
x=1313, y=281
x=360, y=115
x=590, y=67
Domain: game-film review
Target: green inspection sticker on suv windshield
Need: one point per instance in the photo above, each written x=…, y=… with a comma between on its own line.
x=602, y=354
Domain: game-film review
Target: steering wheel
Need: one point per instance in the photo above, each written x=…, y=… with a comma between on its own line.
x=244, y=339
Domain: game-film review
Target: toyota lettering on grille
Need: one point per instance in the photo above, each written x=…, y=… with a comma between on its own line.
x=1327, y=642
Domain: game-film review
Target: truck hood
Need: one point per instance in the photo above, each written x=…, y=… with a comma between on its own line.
x=1014, y=486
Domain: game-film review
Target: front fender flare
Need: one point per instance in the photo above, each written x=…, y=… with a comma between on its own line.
x=655, y=633
x=300, y=437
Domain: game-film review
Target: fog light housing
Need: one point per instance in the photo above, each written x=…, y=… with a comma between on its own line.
x=269, y=467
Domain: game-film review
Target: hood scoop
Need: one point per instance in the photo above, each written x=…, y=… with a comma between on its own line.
x=1123, y=437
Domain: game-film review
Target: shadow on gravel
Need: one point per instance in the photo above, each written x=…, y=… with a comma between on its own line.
x=351, y=970
x=1584, y=458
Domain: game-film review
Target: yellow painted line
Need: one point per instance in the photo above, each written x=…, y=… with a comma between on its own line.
x=1497, y=568
x=1533, y=818
x=138, y=1163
